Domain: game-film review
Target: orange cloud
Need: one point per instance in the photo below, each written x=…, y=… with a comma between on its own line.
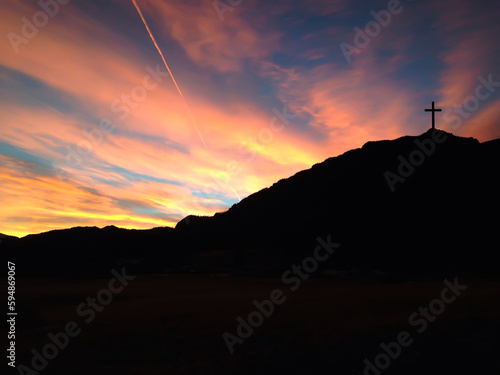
x=223, y=46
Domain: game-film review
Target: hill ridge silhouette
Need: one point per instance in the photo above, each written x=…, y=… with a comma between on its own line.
x=432, y=221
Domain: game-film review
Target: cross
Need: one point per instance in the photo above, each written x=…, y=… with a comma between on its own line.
x=433, y=110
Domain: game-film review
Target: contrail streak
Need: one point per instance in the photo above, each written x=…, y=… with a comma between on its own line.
x=234, y=191
x=173, y=79
x=169, y=71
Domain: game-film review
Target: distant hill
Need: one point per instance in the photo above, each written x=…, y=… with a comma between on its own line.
x=414, y=204
x=4, y=236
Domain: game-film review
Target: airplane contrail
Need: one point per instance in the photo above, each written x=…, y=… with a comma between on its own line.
x=234, y=191
x=169, y=71
x=173, y=79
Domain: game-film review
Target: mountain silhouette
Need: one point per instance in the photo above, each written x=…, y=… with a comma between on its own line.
x=416, y=204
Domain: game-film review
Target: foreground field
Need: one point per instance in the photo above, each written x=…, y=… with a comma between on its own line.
x=174, y=325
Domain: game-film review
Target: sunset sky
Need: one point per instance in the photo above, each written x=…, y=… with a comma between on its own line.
x=94, y=132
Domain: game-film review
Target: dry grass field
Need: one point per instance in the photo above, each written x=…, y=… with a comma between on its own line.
x=174, y=325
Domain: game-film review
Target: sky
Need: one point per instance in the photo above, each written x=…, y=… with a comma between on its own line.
x=94, y=131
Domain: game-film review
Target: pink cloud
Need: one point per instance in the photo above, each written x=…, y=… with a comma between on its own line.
x=223, y=46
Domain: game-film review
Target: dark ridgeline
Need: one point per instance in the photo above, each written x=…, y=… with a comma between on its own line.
x=442, y=218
